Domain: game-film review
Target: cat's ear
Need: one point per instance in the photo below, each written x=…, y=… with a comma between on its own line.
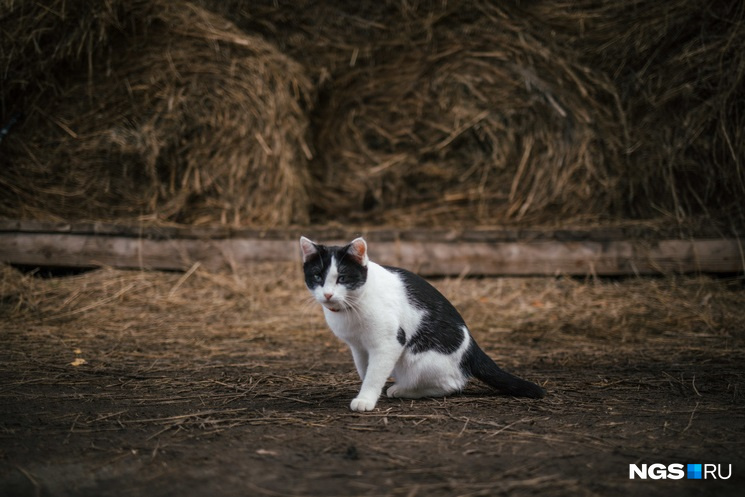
x=308, y=248
x=358, y=250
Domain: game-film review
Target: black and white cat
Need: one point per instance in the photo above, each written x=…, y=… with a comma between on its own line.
x=397, y=324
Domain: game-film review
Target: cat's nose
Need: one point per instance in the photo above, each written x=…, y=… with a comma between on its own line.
x=328, y=295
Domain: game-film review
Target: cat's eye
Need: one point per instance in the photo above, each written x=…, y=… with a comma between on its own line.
x=317, y=278
x=341, y=279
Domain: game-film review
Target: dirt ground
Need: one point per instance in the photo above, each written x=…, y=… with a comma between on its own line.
x=118, y=383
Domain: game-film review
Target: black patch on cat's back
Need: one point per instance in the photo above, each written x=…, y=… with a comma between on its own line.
x=441, y=328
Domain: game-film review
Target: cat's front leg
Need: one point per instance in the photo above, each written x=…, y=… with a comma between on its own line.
x=360, y=361
x=380, y=365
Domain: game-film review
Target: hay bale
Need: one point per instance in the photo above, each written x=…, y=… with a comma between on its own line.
x=421, y=113
x=181, y=117
x=679, y=71
x=653, y=92
x=471, y=119
x=40, y=39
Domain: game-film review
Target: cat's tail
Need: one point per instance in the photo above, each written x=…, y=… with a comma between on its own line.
x=478, y=364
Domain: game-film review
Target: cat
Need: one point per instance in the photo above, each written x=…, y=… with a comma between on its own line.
x=397, y=324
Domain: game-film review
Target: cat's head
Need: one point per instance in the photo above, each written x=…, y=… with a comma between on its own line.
x=335, y=275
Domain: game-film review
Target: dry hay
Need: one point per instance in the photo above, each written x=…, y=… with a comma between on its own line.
x=678, y=71
x=263, y=320
x=162, y=110
x=419, y=113
x=268, y=302
x=546, y=112
x=466, y=115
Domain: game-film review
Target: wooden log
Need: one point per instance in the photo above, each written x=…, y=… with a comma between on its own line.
x=444, y=253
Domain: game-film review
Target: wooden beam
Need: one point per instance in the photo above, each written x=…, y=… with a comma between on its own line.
x=440, y=253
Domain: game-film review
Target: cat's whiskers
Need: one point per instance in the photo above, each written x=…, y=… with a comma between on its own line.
x=353, y=304
x=309, y=303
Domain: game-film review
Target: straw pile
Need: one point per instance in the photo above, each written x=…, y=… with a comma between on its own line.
x=416, y=113
x=547, y=112
x=152, y=108
x=678, y=69
x=462, y=114
x=243, y=305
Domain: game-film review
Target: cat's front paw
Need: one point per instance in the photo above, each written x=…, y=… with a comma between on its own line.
x=361, y=404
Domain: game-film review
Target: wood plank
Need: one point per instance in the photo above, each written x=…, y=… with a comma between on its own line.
x=376, y=234
x=444, y=255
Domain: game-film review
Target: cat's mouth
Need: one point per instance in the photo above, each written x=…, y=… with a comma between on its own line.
x=331, y=307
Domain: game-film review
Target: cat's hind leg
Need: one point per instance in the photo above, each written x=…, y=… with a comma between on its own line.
x=427, y=374
x=419, y=386
x=401, y=392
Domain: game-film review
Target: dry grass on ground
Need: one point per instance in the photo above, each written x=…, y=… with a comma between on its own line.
x=123, y=382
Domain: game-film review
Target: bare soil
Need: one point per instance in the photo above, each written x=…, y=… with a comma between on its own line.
x=118, y=383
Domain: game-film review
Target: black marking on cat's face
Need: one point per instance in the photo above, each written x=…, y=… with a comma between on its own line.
x=316, y=267
x=441, y=327
x=350, y=272
x=401, y=336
